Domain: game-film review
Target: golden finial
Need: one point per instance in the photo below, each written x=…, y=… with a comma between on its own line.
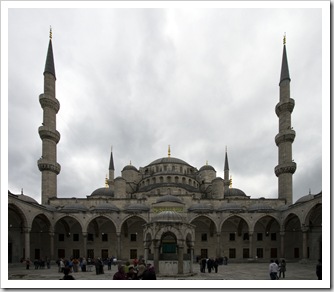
x=130, y=162
x=284, y=39
x=207, y=163
x=50, y=32
x=231, y=181
x=106, y=181
x=168, y=150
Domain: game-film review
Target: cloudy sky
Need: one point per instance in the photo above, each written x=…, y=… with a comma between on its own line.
x=137, y=79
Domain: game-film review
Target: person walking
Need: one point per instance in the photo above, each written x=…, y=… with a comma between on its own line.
x=67, y=275
x=149, y=273
x=318, y=270
x=273, y=269
x=282, y=269
x=215, y=265
x=28, y=262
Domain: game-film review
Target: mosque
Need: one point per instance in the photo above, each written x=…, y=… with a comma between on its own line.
x=169, y=212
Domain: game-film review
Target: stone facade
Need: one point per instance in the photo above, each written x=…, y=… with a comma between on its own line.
x=167, y=211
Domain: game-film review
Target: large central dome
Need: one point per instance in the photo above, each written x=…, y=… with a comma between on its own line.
x=168, y=160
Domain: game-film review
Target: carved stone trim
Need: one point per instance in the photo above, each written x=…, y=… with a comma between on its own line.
x=285, y=168
x=47, y=133
x=52, y=103
x=285, y=136
x=285, y=106
x=47, y=165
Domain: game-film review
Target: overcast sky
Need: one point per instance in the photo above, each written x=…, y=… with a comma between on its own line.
x=142, y=79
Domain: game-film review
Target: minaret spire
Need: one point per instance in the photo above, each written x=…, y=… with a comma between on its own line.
x=284, y=139
x=226, y=170
x=110, y=181
x=48, y=133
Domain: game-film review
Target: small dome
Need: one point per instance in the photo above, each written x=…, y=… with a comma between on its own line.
x=261, y=208
x=168, y=216
x=129, y=167
x=136, y=208
x=230, y=207
x=234, y=192
x=306, y=198
x=103, y=192
x=201, y=208
x=74, y=208
x=169, y=198
x=27, y=199
x=207, y=167
x=105, y=207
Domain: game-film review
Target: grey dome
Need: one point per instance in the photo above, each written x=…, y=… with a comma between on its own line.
x=207, y=167
x=136, y=208
x=306, y=198
x=105, y=207
x=234, y=192
x=168, y=160
x=168, y=216
x=103, y=192
x=50, y=208
x=230, y=207
x=129, y=167
x=201, y=208
x=169, y=198
x=74, y=208
x=260, y=207
x=27, y=199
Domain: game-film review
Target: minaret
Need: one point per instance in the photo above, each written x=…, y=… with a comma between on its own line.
x=47, y=164
x=286, y=135
x=111, y=172
x=226, y=171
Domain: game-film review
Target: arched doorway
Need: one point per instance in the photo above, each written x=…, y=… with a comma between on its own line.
x=168, y=244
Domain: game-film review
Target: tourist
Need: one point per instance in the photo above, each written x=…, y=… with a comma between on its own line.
x=149, y=273
x=141, y=269
x=318, y=270
x=273, y=269
x=83, y=265
x=120, y=274
x=282, y=269
x=132, y=274
x=67, y=275
x=28, y=262
x=203, y=265
x=215, y=265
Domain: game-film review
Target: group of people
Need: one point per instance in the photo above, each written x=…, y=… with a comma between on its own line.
x=208, y=263
x=38, y=263
x=138, y=271
x=277, y=269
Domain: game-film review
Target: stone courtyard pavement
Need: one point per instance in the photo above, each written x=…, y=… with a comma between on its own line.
x=232, y=271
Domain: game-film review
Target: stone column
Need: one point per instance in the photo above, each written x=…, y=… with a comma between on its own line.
x=52, y=245
x=118, y=234
x=84, y=236
x=156, y=255
x=282, y=233
x=218, y=245
x=250, y=244
x=191, y=246
x=180, y=259
x=305, y=243
x=27, y=242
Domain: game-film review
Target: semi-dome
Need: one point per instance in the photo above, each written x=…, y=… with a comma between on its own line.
x=76, y=207
x=137, y=208
x=207, y=167
x=169, y=198
x=201, y=208
x=103, y=192
x=234, y=192
x=50, y=208
x=168, y=216
x=168, y=160
x=105, y=207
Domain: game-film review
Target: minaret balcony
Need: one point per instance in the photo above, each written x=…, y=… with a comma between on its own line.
x=47, y=133
x=285, y=168
x=285, y=106
x=50, y=102
x=44, y=164
x=285, y=136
